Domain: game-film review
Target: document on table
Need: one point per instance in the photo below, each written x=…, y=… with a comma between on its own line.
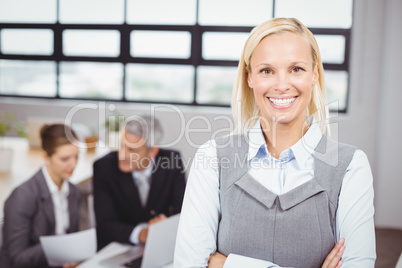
x=74, y=247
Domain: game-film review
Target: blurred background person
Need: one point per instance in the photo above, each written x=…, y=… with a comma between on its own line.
x=46, y=204
x=138, y=185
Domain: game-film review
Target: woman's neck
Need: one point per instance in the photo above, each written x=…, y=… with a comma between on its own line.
x=56, y=179
x=280, y=137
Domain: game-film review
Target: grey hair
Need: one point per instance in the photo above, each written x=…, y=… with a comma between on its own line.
x=145, y=126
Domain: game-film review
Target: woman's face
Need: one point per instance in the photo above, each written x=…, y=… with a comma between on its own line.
x=282, y=76
x=62, y=162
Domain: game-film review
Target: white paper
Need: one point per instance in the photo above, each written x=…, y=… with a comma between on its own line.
x=74, y=247
x=399, y=264
x=112, y=249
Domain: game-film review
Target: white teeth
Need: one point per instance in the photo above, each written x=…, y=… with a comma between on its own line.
x=282, y=102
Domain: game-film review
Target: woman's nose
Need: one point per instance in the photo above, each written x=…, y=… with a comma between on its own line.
x=282, y=82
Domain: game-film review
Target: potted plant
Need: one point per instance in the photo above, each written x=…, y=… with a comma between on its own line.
x=91, y=141
x=8, y=124
x=112, y=126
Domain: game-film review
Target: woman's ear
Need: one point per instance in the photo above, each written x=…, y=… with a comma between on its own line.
x=316, y=75
x=46, y=157
x=249, y=80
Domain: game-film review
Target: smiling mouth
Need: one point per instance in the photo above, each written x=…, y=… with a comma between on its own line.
x=282, y=102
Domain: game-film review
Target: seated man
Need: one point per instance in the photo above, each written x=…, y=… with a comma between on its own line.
x=136, y=186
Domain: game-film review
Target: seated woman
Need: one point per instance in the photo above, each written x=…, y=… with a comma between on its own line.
x=46, y=204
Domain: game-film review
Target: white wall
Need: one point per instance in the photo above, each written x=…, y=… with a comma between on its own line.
x=372, y=123
x=389, y=122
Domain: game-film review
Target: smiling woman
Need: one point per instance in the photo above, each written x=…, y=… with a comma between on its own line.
x=301, y=199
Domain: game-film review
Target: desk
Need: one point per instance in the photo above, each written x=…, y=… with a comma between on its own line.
x=27, y=161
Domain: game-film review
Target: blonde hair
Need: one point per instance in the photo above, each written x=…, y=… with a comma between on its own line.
x=244, y=108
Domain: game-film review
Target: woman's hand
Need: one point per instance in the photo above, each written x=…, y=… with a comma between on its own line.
x=333, y=259
x=216, y=260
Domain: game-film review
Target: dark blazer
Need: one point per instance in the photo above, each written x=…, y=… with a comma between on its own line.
x=117, y=204
x=29, y=214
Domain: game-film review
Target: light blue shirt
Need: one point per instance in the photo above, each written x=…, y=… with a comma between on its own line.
x=201, y=212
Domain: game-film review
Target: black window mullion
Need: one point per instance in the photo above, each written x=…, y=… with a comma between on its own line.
x=196, y=56
x=124, y=54
x=57, y=53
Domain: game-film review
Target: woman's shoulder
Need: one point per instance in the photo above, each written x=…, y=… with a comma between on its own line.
x=358, y=158
x=230, y=139
x=26, y=193
x=221, y=141
x=30, y=185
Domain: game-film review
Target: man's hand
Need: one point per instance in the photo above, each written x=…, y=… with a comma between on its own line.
x=216, y=260
x=71, y=265
x=160, y=217
x=334, y=258
x=144, y=232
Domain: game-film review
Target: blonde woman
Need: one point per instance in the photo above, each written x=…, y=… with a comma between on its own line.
x=278, y=192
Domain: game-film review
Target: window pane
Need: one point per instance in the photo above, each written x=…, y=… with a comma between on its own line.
x=103, y=43
x=214, y=84
x=337, y=86
x=149, y=82
x=91, y=80
x=317, y=13
x=223, y=46
x=27, y=41
x=28, y=11
x=332, y=48
x=161, y=44
x=32, y=78
x=234, y=13
x=173, y=12
x=92, y=11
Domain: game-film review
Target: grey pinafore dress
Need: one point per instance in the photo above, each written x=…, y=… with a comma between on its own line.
x=295, y=229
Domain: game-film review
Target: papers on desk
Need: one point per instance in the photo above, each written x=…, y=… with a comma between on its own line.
x=74, y=247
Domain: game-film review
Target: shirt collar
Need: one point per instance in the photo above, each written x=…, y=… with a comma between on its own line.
x=257, y=145
x=146, y=172
x=52, y=185
x=304, y=148
x=301, y=151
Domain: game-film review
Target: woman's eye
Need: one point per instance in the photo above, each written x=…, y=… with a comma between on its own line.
x=266, y=71
x=297, y=70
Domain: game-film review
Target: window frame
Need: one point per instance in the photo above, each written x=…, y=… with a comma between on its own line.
x=125, y=57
